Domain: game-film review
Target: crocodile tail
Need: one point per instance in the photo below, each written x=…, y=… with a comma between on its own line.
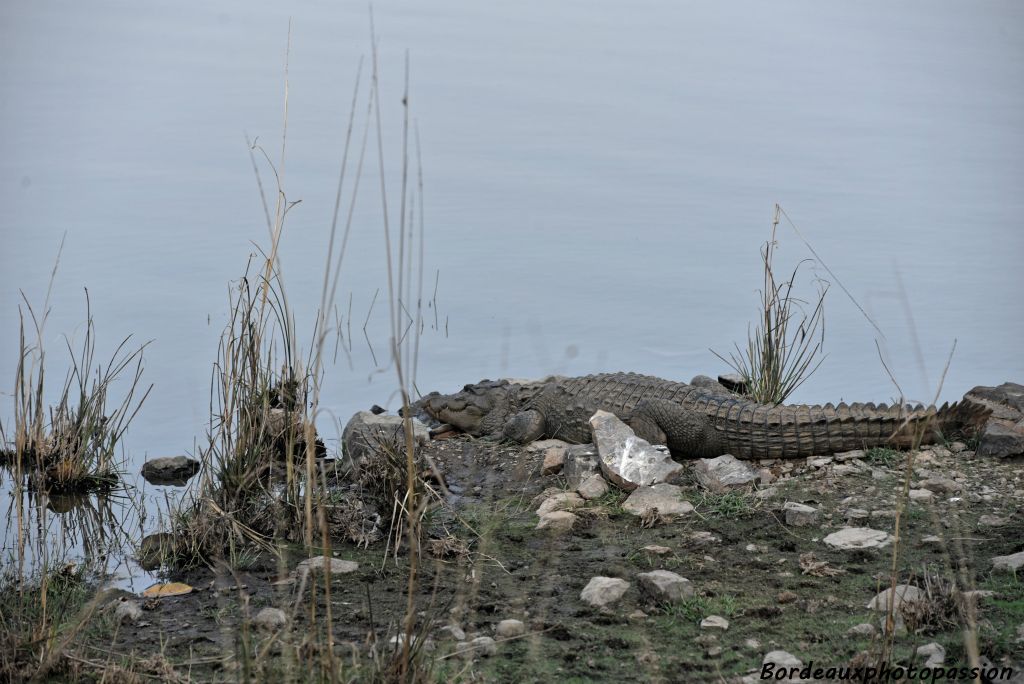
x=930, y=424
x=963, y=419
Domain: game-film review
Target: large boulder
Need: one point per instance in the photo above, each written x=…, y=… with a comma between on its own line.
x=169, y=470
x=625, y=459
x=723, y=472
x=1002, y=435
x=367, y=433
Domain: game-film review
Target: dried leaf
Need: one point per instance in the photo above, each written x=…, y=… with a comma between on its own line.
x=169, y=589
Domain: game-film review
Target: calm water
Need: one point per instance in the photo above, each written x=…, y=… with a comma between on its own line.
x=598, y=179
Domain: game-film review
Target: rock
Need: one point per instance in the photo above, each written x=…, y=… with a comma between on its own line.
x=785, y=597
x=714, y=622
x=733, y=382
x=934, y=652
x=484, y=646
x=858, y=538
x=800, y=515
x=603, y=591
x=921, y=495
x=594, y=487
x=1012, y=563
x=554, y=461
x=721, y=473
x=991, y=521
x=656, y=550
x=335, y=566
x=1003, y=433
x=270, y=619
x=557, y=522
x=366, y=433
x=664, y=585
x=128, y=612
x=154, y=549
x=454, y=631
x=941, y=485
x=856, y=514
x=863, y=629
x=560, y=502
x=508, y=629
x=545, y=445
x=625, y=459
x=170, y=470
x=904, y=593
x=581, y=461
x=665, y=497
x=776, y=662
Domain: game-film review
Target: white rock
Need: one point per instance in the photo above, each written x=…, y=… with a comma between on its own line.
x=656, y=549
x=665, y=585
x=714, y=622
x=1013, y=562
x=863, y=629
x=665, y=497
x=270, y=619
x=563, y=501
x=335, y=566
x=554, y=460
x=602, y=591
x=507, y=629
x=483, y=646
x=128, y=611
x=858, y=538
x=921, y=495
x=558, y=522
x=544, y=445
x=904, y=593
x=781, y=659
x=723, y=472
x=594, y=487
x=934, y=652
x=625, y=459
x=800, y=515
x=454, y=631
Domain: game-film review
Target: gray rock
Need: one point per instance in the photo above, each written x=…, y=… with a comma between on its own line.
x=128, y=612
x=934, y=652
x=544, y=445
x=714, y=622
x=665, y=497
x=941, y=485
x=779, y=661
x=991, y=521
x=594, y=487
x=664, y=585
x=800, y=515
x=366, y=433
x=863, y=629
x=858, y=538
x=170, y=470
x=270, y=619
x=557, y=522
x=1003, y=433
x=1002, y=439
x=554, y=461
x=1012, y=563
x=454, y=631
x=563, y=501
x=625, y=459
x=603, y=591
x=733, y=382
x=482, y=646
x=155, y=549
x=335, y=566
x=508, y=629
x=923, y=495
x=721, y=473
x=581, y=461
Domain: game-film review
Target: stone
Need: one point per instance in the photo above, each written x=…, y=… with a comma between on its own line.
x=545, y=445
x=128, y=612
x=1003, y=432
x=335, y=566
x=800, y=515
x=603, y=591
x=507, y=629
x=721, y=473
x=581, y=461
x=664, y=585
x=594, y=487
x=170, y=470
x=665, y=497
x=154, y=549
x=557, y=522
x=991, y=521
x=780, y=661
x=858, y=538
x=733, y=382
x=366, y=432
x=270, y=619
x=863, y=629
x=714, y=622
x=1012, y=563
x=934, y=652
x=904, y=593
x=627, y=460
x=554, y=461
x=941, y=485
x=923, y=495
x=856, y=514
x=1002, y=439
x=657, y=550
x=560, y=502
x=454, y=631
x=484, y=646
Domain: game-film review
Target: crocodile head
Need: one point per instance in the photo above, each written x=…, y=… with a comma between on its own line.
x=480, y=409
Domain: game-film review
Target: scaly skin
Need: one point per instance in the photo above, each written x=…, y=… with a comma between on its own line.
x=693, y=421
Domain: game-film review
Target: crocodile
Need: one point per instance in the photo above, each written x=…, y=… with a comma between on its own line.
x=694, y=421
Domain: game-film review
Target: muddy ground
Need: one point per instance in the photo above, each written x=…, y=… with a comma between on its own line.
x=488, y=563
